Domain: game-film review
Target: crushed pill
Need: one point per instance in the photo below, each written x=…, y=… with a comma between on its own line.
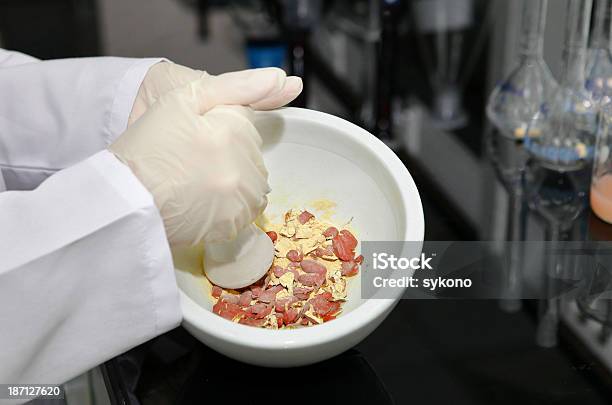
x=306, y=284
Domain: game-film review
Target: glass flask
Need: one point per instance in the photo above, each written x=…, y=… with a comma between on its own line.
x=515, y=100
x=562, y=134
x=601, y=183
x=599, y=64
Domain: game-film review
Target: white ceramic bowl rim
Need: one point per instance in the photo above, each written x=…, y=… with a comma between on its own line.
x=201, y=318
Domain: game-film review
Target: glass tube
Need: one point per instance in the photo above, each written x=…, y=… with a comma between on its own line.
x=515, y=100
x=600, y=34
x=601, y=183
x=443, y=28
x=561, y=135
x=599, y=63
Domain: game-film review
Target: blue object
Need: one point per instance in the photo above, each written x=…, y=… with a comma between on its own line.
x=266, y=55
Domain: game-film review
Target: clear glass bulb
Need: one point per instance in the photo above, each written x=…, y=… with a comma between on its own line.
x=517, y=99
x=562, y=134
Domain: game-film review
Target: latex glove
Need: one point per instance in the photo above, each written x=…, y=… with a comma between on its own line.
x=227, y=88
x=202, y=164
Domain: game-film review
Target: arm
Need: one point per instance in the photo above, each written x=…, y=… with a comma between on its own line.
x=86, y=272
x=85, y=268
x=14, y=58
x=56, y=113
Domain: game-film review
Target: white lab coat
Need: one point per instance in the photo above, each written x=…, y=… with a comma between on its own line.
x=85, y=268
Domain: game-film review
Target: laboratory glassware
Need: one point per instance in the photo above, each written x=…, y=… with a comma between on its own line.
x=518, y=98
x=559, y=198
x=599, y=63
x=509, y=159
x=562, y=134
x=443, y=26
x=601, y=182
x=594, y=297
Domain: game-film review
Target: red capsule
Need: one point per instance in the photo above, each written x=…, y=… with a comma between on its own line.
x=216, y=291
x=330, y=232
x=304, y=217
x=295, y=256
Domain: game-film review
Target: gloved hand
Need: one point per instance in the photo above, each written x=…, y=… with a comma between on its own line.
x=203, y=163
x=166, y=76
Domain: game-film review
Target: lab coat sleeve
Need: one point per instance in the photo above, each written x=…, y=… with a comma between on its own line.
x=85, y=272
x=14, y=58
x=58, y=112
